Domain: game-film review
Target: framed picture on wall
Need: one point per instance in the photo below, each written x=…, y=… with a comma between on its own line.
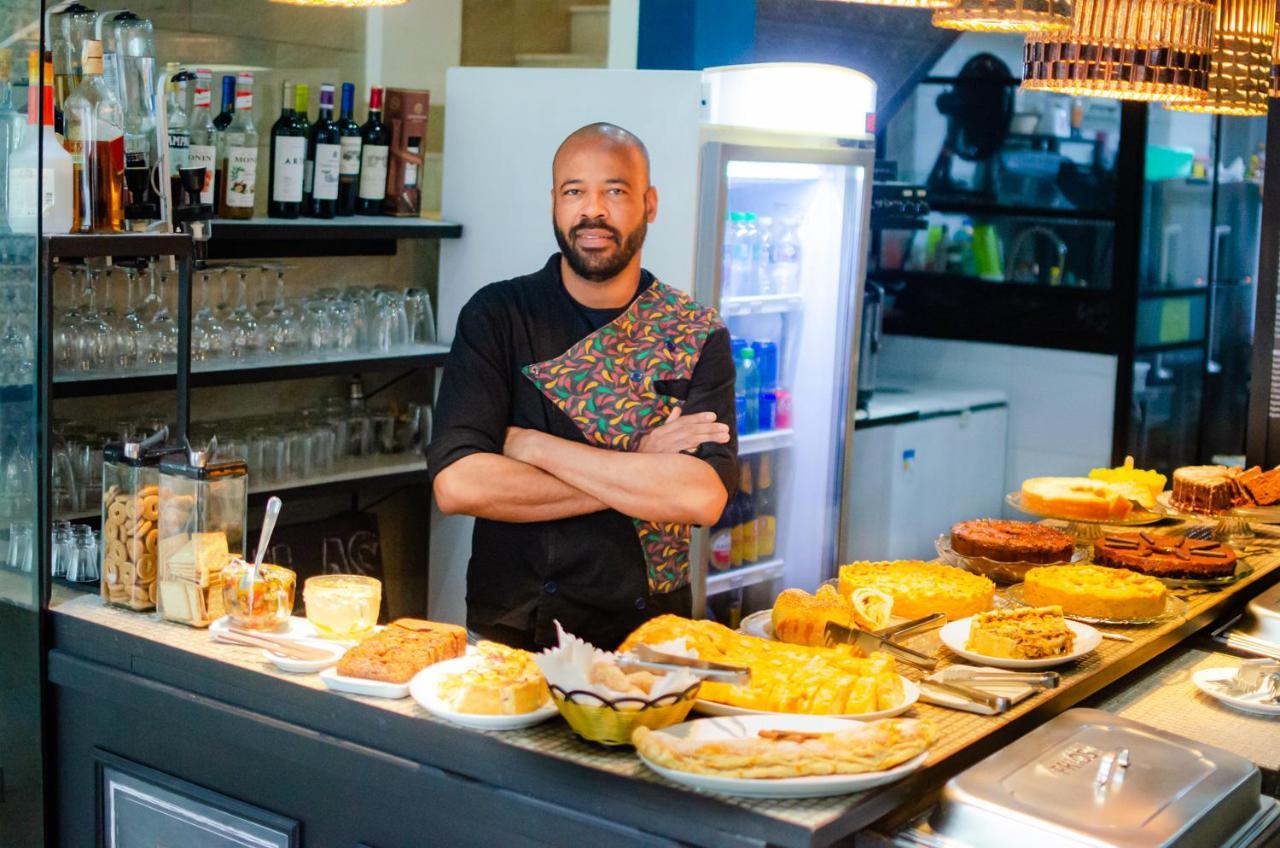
x=140, y=807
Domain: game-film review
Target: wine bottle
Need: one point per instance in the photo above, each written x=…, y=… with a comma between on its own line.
x=238, y=155
x=374, y=154
x=202, y=152
x=302, y=103
x=324, y=158
x=95, y=139
x=349, y=169
x=288, y=154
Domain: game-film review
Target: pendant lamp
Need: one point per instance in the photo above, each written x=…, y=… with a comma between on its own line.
x=342, y=4
x=1240, y=67
x=1006, y=16
x=1125, y=49
x=903, y=4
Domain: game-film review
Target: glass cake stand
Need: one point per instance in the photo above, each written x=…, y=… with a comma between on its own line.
x=1084, y=529
x=1233, y=526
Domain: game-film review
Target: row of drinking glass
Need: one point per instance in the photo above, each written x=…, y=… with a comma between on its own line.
x=92, y=337
x=74, y=550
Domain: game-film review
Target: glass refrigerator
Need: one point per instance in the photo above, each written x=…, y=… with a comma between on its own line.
x=787, y=155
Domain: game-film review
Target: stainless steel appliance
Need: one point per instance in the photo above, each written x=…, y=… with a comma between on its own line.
x=869, y=342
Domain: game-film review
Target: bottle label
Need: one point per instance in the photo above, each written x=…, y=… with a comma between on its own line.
x=350, y=155
x=327, y=164
x=373, y=172
x=22, y=191
x=242, y=173
x=201, y=98
x=204, y=156
x=244, y=101
x=721, y=550
x=179, y=144
x=291, y=155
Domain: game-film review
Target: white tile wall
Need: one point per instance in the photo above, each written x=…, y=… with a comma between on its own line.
x=1061, y=402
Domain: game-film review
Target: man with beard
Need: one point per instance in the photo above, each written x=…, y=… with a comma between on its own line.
x=586, y=419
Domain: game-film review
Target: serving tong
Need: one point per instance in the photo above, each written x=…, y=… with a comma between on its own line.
x=966, y=683
x=1253, y=677
x=645, y=657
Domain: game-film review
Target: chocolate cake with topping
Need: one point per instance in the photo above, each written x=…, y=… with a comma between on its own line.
x=1161, y=555
x=1011, y=541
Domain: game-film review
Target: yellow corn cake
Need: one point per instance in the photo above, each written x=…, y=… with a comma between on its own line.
x=921, y=588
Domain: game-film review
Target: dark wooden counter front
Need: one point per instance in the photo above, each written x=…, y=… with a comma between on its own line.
x=364, y=771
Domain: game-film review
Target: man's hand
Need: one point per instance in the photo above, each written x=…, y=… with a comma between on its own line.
x=682, y=433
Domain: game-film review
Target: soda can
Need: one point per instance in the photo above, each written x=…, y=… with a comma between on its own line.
x=782, y=413
x=768, y=409
x=767, y=363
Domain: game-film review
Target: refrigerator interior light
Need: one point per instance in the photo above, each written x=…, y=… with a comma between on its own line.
x=781, y=171
x=802, y=98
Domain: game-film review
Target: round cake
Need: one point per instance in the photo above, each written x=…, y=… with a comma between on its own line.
x=1163, y=555
x=921, y=588
x=1074, y=497
x=1094, y=591
x=1206, y=488
x=1011, y=541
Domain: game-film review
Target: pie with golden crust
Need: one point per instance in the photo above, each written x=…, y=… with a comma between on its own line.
x=921, y=588
x=1026, y=633
x=504, y=681
x=1095, y=591
x=801, y=618
x=873, y=746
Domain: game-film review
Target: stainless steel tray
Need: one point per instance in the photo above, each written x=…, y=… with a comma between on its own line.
x=1066, y=784
x=1262, y=620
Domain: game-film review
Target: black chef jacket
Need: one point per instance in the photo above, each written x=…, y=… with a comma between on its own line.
x=588, y=571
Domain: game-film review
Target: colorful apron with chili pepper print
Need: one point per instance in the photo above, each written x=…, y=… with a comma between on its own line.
x=605, y=383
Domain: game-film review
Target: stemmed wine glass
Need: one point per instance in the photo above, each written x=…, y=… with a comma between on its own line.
x=282, y=333
x=162, y=328
x=16, y=340
x=246, y=337
x=208, y=335
x=131, y=332
x=66, y=333
x=97, y=336
x=152, y=302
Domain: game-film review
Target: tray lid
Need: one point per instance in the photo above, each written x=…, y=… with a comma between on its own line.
x=1067, y=783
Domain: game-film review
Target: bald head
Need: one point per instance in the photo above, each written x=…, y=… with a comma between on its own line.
x=603, y=137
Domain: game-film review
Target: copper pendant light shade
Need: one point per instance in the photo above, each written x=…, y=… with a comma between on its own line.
x=903, y=4
x=1125, y=49
x=342, y=4
x=1006, y=16
x=1275, y=59
x=1240, y=72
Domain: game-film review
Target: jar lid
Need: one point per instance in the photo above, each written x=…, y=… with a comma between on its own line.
x=211, y=469
x=129, y=453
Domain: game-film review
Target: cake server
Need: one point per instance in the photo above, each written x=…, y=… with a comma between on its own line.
x=838, y=634
x=643, y=656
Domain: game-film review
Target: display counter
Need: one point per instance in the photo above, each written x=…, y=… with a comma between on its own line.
x=218, y=722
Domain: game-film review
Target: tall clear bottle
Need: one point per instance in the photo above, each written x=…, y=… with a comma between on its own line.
x=95, y=139
x=349, y=169
x=324, y=160
x=238, y=156
x=176, y=129
x=203, y=152
x=11, y=124
x=374, y=156
x=40, y=170
x=141, y=154
x=288, y=157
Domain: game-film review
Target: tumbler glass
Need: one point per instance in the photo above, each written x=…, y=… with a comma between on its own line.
x=422, y=320
x=20, y=553
x=60, y=548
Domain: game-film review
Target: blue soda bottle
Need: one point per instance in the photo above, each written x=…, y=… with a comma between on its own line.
x=749, y=381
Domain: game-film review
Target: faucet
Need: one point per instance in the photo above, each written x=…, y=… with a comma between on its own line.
x=1010, y=262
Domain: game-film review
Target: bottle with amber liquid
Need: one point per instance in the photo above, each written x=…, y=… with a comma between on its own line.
x=95, y=139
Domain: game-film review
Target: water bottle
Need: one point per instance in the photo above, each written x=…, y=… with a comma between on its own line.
x=785, y=265
x=764, y=269
x=743, y=249
x=726, y=250
x=749, y=376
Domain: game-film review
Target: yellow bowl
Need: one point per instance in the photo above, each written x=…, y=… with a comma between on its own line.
x=611, y=722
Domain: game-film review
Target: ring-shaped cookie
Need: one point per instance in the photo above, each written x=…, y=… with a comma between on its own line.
x=146, y=568
x=150, y=508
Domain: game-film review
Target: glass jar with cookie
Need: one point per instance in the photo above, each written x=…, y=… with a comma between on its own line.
x=203, y=501
x=130, y=515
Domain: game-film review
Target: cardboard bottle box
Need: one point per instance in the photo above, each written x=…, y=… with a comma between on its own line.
x=406, y=115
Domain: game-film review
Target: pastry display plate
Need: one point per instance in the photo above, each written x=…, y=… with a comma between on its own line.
x=1136, y=518
x=1205, y=678
x=296, y=627
x=1000, y=572
x=1256, y=514
x=954, y=634
x=1243, y=570
x=424, y=686
x=818, y=786
x=360, y=686
x=910, y=694
x=335, y=650
x=1174, y=607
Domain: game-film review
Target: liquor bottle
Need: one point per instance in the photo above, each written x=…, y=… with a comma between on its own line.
x=238, y=155
x=95, y=140
x=349, y=169
x=301, y=113
x=733, y=519
x=227, y=110
x=41, y=173
x=140, y=144
x=203, y=152
x=288, y=153
x=324, y=160
x=766, y=503
x=376, y=138
x=747, y=515
x=176, y=127
x=720, y=549
x=10, y=129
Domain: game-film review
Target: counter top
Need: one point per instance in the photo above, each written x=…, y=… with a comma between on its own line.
x=107, y=650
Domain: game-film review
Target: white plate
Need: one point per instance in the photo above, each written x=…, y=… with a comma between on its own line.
x=910, y=691
x=296, y=627
x=308, y=666
x=760, y=625
x=424, y=686
x=817, y=786
x=1204, y=678
x=954, y=635
x=360, y=686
